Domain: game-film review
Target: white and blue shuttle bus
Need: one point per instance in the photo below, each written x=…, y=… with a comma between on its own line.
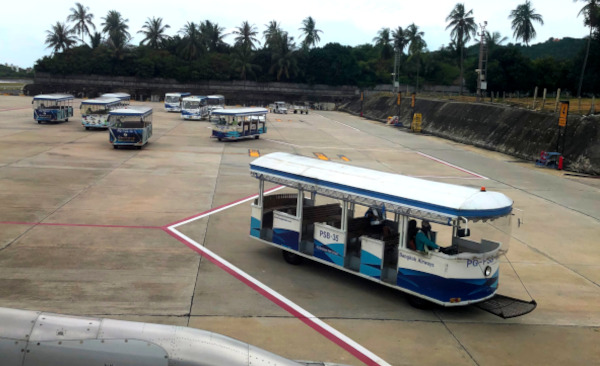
x=173, y=101
x=216, y=102
x=52, y=107
x=323, y=220
x=194, y=107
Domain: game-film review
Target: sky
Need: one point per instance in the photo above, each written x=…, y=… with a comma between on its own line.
x=23, y=26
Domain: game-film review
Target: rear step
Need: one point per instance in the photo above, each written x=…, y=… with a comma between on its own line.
x=507, y=307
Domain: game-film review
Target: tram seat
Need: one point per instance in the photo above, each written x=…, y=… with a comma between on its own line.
x=330, y=214
x=277, y=202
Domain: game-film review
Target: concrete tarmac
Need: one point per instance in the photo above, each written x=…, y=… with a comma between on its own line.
x=82, y=232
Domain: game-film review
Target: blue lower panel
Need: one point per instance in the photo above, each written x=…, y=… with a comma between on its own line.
x=444, y=289
x=286, y=238
x=370, y=265
x=255, y=227
x=333, y=253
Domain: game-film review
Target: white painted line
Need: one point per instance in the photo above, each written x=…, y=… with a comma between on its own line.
x=451, y=165
x=345, y=342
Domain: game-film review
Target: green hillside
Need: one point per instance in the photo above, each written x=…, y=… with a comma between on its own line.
x=560, y=49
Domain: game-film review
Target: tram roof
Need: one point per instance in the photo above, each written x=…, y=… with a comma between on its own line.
x=56, y=97
x=101, y=101
x=182, y=94
x=250, y=111
x=121, y=96
x=132, y=110
x=398, y=193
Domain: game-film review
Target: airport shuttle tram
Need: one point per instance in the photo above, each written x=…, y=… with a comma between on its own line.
x=131, y=126
x=125, y=98
x=52, y=107
x=95, y=112
x=238, y=123
x=323, y=221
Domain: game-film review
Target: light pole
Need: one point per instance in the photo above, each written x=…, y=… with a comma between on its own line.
x=482, y=70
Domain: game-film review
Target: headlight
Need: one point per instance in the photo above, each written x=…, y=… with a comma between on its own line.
x=488, y=271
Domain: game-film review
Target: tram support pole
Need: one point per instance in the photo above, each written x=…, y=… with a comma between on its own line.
x=261, y=192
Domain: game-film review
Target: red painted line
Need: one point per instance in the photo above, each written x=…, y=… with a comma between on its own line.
x=308, y=321
x=220, y=207
x=451, y=165
x=77, y=225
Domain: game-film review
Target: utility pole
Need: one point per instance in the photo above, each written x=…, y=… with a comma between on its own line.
x=395, y=76
x=482, y=70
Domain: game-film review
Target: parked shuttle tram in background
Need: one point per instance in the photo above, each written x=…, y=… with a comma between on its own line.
x=52, y=107
x=238, y=123
x=173, y=101
x=95, y=112
x=124, y=97
x=131, y=126
x=324, y=221
x=216, y=102
x=194, y=107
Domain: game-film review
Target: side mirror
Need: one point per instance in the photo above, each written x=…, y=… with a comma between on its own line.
x=461, y=233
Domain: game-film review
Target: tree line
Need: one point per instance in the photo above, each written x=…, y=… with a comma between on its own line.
x=199, y=51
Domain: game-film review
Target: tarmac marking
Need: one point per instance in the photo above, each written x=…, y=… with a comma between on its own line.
x=12, y=109
x=217, y=209
x=78, y=225
x=452, y=165
x=307, y=318
x=321, y=156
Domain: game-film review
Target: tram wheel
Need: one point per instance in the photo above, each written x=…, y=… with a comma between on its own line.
x=292, y=258
x=418, y=302
x=220, y=139
x=257, y=137
x=115, y=147
x=66, y=120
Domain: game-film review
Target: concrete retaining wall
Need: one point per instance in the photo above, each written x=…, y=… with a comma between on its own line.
x=235, y=92
x=514, y=131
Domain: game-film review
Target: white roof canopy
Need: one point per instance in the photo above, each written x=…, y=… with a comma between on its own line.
x=398, y=193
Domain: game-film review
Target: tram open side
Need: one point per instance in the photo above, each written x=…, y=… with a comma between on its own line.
x=323, y=221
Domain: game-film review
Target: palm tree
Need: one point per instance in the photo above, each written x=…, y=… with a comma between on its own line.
x=192, y=41
x=400, y=40
x=416, y=44
x=83, y=19
x=95, y=40
x=311, y=33
x=246, y=35
x=522, y=25
x=116, y=28
x=494, y=39
x=284, y=59
x=60, y=38
x=463, y=27
x=154, y=32
x=383, y=41
x=242, y=62
x=212, y=36
x=591, y=15
x=272, y=34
